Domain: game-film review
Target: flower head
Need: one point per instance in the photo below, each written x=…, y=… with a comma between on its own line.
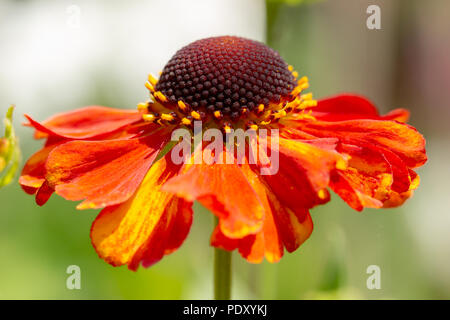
x=118, y=160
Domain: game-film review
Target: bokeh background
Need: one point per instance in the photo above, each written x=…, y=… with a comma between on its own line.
x=60, y=55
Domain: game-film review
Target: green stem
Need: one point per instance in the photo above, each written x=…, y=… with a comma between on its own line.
x=222, y=273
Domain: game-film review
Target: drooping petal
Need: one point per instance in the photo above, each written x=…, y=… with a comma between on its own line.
x=43, y=194
x=33, y=173
x=400, y=173
x=216, y=187
x=374, y=161
x=281, y=228
x=399, y=138
x=303, y=172
x=396, y=199
x=382, y=150
x=84, y=123
x=300, y=183
x=374, y=178
x=147, y=226
x=295, y=227
x=354, y=189
x=102, y=173
x=265, y=243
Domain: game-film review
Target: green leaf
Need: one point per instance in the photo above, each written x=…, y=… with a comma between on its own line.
x=9, y=151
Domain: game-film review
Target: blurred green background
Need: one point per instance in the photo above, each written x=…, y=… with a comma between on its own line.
x=58, y=56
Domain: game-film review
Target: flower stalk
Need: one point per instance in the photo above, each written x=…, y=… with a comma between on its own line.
x=222, y=272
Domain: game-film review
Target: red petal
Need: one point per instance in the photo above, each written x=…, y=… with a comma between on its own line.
x=102, y=173
x=344, y=107
x=350, y=107
x=88, y=122
x=43, y=194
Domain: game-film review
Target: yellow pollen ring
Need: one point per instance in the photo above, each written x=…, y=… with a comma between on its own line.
x=149, y=87
x=217, y=114
x=227, y=129
x=304, y=86
x=152, y=79
x=290, y=68
x=294, y=103
x=167, y=117
x=308, y=104
x=142, y=106
x=160, y=96
x=181, y=105
x=298, y=89
x=195, y=115
x=295, y=74
x=279, y=114
x=261, y=107
x=306, y=96
x=148, y=117
x=186, y=121
x=302, y=80
x=302, y=115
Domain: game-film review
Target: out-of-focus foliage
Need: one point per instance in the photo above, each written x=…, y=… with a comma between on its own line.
x=9, y=151
x=273, y=8
x=291, y=2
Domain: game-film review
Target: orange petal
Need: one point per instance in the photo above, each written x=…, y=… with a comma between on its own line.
x=288, y=231
x=33, y=173
x=399, y=138
x=401, y=115
x=395, y=199
x=149, y=225
x=374, y=178
x=281, y=228
x=215, y=186
x=268, y=241
x=373, y=161
x=315, y=157
x=354, y=189
x=304, y=172
x=87, y=122
x=103, y=173
x=400, y=172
